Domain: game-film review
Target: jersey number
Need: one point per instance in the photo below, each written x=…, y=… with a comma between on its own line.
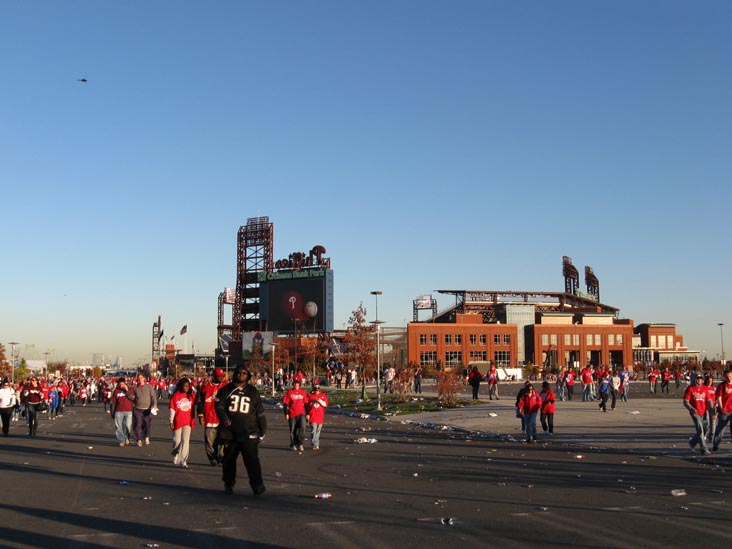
x=239, y=404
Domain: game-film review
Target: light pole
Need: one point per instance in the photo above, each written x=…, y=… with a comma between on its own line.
x=721, y=338
x=272, y=351
x=46, y=363
x=12, y=360
x=376, y=294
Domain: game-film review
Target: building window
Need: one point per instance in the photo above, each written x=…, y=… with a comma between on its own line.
x=473, y=339
x=453, y=358
x=507, y=339
x=619, y=339
x=669, y=342
x=478, y=356
x=553, y=339
x=428, y=359
x=423, y=339
x=611, y=339
x=576, y=339
x=588, y=339
x=496, y=339
x=433, y=339
x=502, y=358
x=483, y=339
x=661, y=342
x=448, y=339
x=458, y=339
x=654, y=344
x=544, y=339
x=566, y=339
x=598, y=339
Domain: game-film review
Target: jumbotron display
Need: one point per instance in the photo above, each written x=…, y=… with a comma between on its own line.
x=297, y=301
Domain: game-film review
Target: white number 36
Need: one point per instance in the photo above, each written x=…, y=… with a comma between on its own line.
x=239, y=404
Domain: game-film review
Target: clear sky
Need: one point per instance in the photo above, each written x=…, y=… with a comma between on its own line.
x=426, y=144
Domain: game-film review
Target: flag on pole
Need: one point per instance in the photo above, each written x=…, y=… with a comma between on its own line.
x=184, y=329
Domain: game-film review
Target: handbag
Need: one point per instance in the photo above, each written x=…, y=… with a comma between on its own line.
x=42, y=406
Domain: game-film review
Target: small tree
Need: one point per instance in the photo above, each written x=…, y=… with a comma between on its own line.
x=450, y=383
x=360, y=342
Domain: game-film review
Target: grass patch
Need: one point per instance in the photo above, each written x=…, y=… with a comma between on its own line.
x=351, y=401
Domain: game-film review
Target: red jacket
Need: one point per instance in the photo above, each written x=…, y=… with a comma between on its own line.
x=530, y=403
x=207, y=401
x=547, y=402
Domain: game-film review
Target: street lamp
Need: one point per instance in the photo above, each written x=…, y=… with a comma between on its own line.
x=12, y=360
x=376, y=294
x=721, y=337
x=272, y=351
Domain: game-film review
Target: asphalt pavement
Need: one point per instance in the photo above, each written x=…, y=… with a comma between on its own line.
x=457, y=476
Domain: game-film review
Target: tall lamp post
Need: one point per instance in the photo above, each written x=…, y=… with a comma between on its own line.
x=721, y=338
x=12, y=360
x=376, y=294
x=272, y=352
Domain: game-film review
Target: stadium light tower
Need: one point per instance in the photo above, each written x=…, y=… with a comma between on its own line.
x=12, y=360
x=376, y=294
x=721, y=338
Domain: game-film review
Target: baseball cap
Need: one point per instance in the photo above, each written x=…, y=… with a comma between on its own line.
x=219, y=372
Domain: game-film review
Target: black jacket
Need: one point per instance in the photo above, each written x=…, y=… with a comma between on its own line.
x=243, y=407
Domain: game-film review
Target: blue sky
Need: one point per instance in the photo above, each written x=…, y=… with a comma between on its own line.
x=426, y=144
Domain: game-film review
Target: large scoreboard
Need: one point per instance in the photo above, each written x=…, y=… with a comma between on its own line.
x=297, y=301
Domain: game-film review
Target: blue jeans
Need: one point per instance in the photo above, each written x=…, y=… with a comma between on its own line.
x=700, y=424
x=722, y=421
x=123, y=423
x=315, y=438
x=530, y=421
x=297, y=429
x=586, y=392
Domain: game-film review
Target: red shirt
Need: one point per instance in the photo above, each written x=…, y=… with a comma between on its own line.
x=317, y=402
x=586, y=375
x=183, y=409
x=207, y=402
x=295, y=400
x=696, y=395
x=530, y=403
x=569, y=378
x=547, y=402
x=120, y=401
x=724, y=391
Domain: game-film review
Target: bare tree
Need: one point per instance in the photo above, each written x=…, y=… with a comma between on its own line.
x=361, y=344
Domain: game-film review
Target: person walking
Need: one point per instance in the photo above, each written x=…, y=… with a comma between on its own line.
x=243, y=426
x=529, y=407
x=723, y=403
x=548, y=407
x=317, y=403
x=604, y=390
x=7, y=403
x=122, y=402
x=569, y=377
x=711, y=410
x=207, y=417
x=474, y=379
x=492, y=378
x=294, y=402
x=418, y=373
x=182, y=420
x=32, y=397
x=146, y=406
x=696, y=401
x=614, y=389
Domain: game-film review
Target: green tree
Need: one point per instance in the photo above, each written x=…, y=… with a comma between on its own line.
x=360, y=343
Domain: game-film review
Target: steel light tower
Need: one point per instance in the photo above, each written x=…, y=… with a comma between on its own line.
x=272, y=352
x=376, y=294
x=721, y=338
x=12, y=360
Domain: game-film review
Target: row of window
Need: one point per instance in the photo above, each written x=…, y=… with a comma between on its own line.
x=428, y=359
x=662, y=342
x=574, y=339
x=457, y=339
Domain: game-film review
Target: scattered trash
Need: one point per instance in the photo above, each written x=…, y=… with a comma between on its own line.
x=500, y=484
x=620, y=480
x=630, y=490
x=579, y=476
x=493, y=414
x=91, y=447
x=543, y=508
x=447, y=520
x=364, y=440
x=684, y=508
x=124, y=483
x=678, y=492
x=634, y=413
x=323, y=495
x=151, y=545
x=718, y=491
x=529, y=485
x=440, y=501
x=147, y=498
x=415, y=474
x=278, y=474
x=166, y=503
x=579, y=456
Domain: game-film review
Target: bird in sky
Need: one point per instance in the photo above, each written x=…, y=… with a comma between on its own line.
x=84, y=80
